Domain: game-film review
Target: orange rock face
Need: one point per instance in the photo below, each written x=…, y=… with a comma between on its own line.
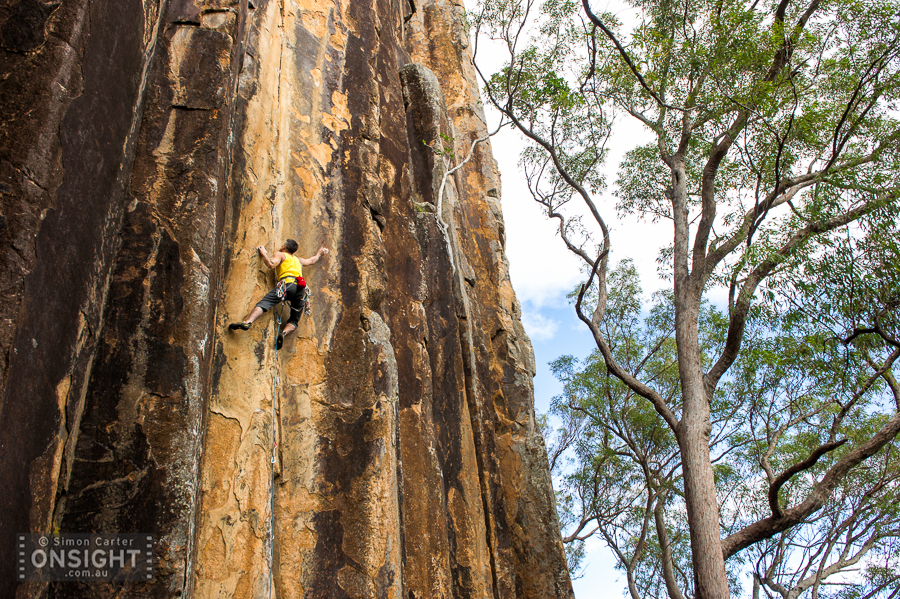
x=389, y=449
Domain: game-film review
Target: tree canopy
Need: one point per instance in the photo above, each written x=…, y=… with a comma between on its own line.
x=756, y=435
x=622, y=482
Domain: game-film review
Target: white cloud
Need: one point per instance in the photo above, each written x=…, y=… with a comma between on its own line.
x=538, y=326
x=541, y=269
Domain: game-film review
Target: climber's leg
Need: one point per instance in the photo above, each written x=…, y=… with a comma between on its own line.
x=270, y=299
x=295, y=297
x=254, y=314
x=296, y=308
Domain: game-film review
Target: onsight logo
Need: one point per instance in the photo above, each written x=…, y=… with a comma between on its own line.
x=87, y=557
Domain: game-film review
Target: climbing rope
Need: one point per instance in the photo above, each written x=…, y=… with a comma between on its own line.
x=279, y=314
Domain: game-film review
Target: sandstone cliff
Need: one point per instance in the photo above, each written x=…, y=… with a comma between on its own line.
x=146, y=148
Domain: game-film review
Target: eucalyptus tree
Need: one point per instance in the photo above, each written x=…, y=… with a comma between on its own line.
x=788, y=395
x=774, y=133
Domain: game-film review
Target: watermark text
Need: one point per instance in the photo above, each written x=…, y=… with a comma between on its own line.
x=70, y=557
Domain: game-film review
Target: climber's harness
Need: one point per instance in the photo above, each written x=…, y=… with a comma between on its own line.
x=281, y=292
x=281, y=287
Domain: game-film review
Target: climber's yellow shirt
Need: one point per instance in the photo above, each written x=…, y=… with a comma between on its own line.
x=289, y=267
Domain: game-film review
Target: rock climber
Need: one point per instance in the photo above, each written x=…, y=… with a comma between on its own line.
x=289, y=272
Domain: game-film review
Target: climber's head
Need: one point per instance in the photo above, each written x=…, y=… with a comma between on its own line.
x=290, y=246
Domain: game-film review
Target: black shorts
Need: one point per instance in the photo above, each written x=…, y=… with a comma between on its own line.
x=293, y=295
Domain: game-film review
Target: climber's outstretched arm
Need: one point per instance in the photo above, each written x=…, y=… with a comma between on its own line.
x=314, y=259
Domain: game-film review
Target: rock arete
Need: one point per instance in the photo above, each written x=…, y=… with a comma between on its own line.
x=146, y=148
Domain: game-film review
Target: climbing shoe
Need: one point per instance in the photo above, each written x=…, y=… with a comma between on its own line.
x=279, y=341
x=239, y=325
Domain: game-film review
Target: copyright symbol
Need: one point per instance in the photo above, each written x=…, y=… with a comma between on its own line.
x=43, y=541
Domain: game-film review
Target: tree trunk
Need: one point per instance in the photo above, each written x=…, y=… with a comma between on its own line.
x=694, y=428
x=702, y=508
x=699, y=483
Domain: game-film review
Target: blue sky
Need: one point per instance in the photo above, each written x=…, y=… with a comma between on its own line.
x=543, y=272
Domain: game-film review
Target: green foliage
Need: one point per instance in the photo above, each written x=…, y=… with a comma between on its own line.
x=833, y=104
x=445, y=149
x=792, y=389
x=541, y=88
x=625, y=460
x=775, y=155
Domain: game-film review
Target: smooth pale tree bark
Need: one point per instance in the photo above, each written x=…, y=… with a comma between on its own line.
x=693, y=430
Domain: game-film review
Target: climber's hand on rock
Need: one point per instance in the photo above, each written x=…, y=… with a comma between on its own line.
x=323, y=250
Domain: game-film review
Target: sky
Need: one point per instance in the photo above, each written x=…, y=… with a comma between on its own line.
x=543, y=272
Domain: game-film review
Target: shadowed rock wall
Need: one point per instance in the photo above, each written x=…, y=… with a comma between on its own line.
x=162, y=142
